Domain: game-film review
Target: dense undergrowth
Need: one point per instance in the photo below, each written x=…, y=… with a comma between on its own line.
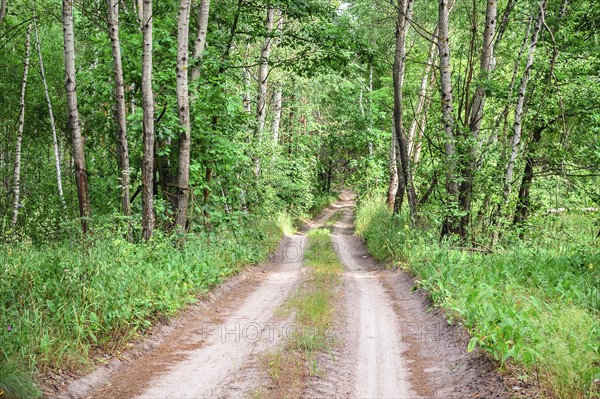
x=534, y=305
x=60, y=301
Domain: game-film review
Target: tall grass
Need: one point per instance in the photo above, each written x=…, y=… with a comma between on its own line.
x=533, y=304
x=59, y=301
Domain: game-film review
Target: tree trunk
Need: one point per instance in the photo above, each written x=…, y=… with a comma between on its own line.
x=183, y=106
x=393, y=185
x=277, y=107
x=73, y=112
x=263, y=71
x=487, y=55
x=247, y=102
x=475, y=117
x=277, y=96
x=523, y=203
x=522, y=209
x=2, y=10
x=517, y=125
x=450, y=225
x=200, y=43
x=148, y=110
x=140, y=12
x=52, y=121
x=422, y=104
x=121, y=111
x=17, y=174
x=404, y=15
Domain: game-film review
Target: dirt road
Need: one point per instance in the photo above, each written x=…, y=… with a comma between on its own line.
x=389, y=343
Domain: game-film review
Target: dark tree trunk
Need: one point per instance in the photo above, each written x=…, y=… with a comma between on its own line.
x=405, y=181
x=81, y=176
x=522, y=209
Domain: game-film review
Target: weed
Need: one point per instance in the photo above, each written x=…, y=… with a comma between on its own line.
x=60, y=301
x=15, y=383
x=312, y=306
x=532, y=303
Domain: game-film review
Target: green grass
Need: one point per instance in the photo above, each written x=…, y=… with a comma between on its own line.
x=334, y=218
x=312, y=303
x=60, y=301
x=15, y=383
x=531, y=304
x=312, y=307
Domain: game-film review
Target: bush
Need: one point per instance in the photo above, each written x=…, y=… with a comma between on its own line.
x=534, y=305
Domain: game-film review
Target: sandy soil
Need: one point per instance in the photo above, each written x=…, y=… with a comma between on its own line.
x=388, y=342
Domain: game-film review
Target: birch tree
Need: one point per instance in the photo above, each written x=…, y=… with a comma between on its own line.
x=183, y=107
x=52, y=121
x=81, y=176
x=263, y=72
x=404, y=15
x=523, y=202
x=278, y=94
x=518, y=121
x=121, y=110
x=422, y=104
x=21, y=126
x=277, y=108
x=200, y=42
x=393, y=166
x=476, y=116
x=148, y=111
x=450, y=225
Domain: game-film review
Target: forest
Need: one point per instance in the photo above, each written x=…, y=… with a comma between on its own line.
x=151, y=150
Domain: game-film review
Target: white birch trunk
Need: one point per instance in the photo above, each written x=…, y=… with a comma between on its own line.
x=263, y=71
x=247, y=97
x=17, y=172
x=412, y=131
x=277, y=107
x=73, y=112
x=393, y=184
x=200, y=43
x=121, y=112
x=446, y=93
x=183, y=106
x=52, y=121
x=517, y=125
x=404, y=16
x=487, y=56
x=148, y=110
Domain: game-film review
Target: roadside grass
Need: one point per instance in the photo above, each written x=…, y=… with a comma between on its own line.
x=312, y=307
x=15, y=383
x=62, y=302
x=533, y=306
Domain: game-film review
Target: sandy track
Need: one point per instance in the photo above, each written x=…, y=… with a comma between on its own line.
x=229, y=344
x=201, y=357
x=389, y=342
x=380, y=365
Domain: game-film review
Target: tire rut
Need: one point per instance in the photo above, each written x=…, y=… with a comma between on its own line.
x=389, y=342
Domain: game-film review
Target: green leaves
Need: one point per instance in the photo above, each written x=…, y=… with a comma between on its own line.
x=534, y=305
